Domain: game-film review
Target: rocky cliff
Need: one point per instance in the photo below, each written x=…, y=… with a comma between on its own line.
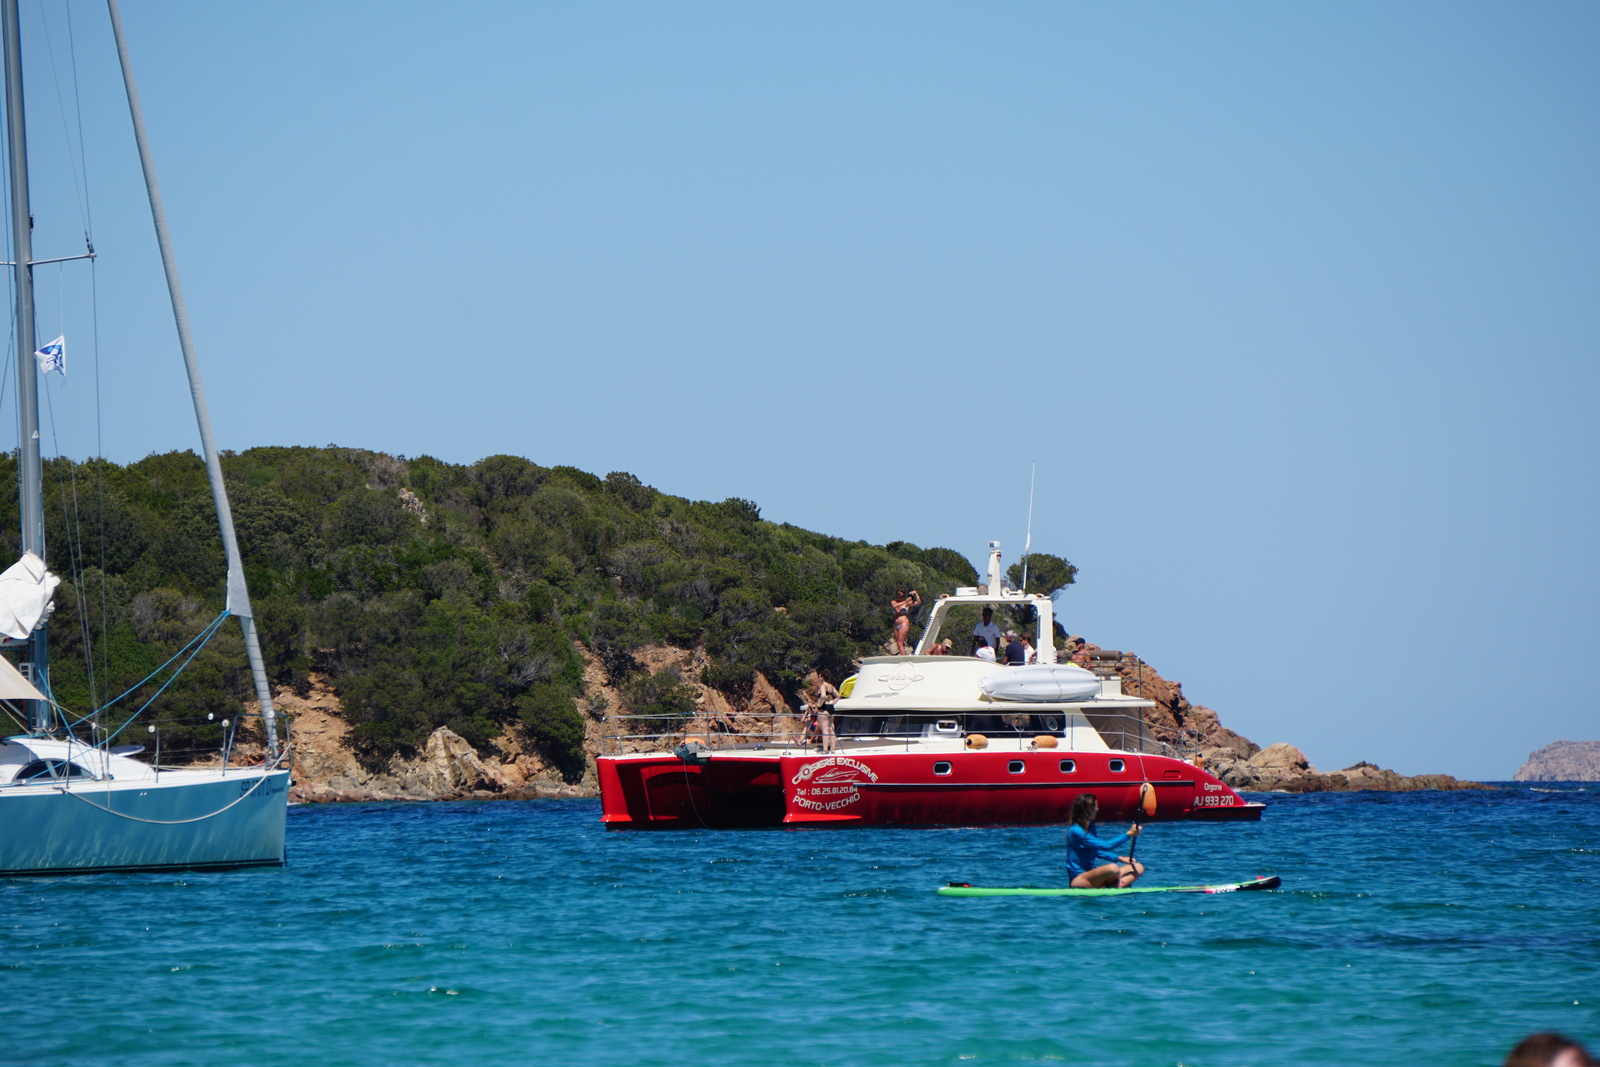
x=328, y=768
x=1239, y=761
x=1563, y=761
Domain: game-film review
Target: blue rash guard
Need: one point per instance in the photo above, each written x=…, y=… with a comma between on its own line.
x=1085, y=851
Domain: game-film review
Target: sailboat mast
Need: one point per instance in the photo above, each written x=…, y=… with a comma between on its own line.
x=30, y=475
x=238, y=593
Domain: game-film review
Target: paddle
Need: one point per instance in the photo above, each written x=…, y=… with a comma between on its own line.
x=1147, y=804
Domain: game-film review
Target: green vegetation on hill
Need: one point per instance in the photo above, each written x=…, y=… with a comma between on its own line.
x=434, y=594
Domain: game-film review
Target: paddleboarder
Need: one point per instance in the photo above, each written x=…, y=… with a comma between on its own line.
x=1092, y=861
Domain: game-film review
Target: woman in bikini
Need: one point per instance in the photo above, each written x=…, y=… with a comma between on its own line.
x=903, y=604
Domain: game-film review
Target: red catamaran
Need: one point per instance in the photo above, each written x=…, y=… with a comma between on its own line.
x=928, y=740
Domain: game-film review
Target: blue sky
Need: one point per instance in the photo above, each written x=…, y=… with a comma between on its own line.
x=1295, y=306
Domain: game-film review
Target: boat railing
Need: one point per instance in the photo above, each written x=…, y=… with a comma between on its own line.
x=236, y=742
x=1124, y=730
x=227, y=744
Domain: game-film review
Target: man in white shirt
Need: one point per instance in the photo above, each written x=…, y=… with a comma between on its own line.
x=988, y=630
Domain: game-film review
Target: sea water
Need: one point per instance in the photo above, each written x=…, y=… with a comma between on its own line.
x=1421, y=928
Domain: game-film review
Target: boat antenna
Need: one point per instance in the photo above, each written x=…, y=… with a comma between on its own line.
x=1034, y=473
x=238, y=594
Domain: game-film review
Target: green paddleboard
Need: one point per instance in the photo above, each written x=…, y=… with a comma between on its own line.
x=961, y=889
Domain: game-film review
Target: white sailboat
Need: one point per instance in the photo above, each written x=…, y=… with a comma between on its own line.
x=70, y=802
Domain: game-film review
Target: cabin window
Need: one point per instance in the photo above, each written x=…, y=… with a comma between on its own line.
x=1016, y=766
x=44, y=769
x=1117, y=766
x=1068, y=766
x=942, y=767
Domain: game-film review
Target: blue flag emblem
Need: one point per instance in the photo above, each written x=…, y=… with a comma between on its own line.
x=53, y=356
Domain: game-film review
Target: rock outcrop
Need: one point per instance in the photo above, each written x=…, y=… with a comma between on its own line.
x=1562, y=761
x=326, y=768
x=1284, y=768
x=1237, y=760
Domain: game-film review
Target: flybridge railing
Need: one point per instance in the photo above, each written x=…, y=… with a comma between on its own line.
x=1124, y=730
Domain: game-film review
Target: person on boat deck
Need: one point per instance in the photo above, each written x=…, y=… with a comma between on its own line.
x=988, y=630
x=1092, y=861
x=939, y=648
x=1027, y=647
x=1080, y=653
x=810, y=728
x=1016, y=652
x=822, y=702
x=982, y=649
x=903, y=604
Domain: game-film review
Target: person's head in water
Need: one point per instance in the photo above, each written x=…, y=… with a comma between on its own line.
x=1549, y=1050
x=1085, y=808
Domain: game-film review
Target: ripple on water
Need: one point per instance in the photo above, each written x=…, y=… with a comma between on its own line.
x=437, y=933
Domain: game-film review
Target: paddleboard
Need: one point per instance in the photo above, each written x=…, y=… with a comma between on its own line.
x=961, y=889
x=1041, y=683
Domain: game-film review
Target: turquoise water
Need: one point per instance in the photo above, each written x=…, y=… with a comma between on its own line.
x=1420, y=928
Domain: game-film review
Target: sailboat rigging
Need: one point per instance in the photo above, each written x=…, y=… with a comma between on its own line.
x=69, y=805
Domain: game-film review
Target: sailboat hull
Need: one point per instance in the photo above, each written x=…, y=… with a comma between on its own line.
x=187, y=820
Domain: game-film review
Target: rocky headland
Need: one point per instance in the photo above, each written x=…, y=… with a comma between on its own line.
x=1240, y=762
x=1562, y=761
x=329, y=769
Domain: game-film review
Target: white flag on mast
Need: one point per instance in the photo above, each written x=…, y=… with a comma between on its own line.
x=53, y=356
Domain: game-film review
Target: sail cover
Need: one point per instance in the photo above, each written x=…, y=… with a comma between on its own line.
x=25, y=591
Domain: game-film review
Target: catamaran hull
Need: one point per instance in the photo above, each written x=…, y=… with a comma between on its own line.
x=220, y=821
x=962, y=788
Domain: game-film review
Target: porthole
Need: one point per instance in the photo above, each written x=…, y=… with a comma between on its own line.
x=1068, y=766
x=1051, y=724
x=1016, y=766
x=1117, y=766
x=942, y=767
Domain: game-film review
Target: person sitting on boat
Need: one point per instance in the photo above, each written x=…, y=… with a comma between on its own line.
x=1080, y=654
x=987, y=629
x=1092, y=861
x=904, y=604
x=1027, y=647
x=1016, y=652
x=810, y=726
x=982, y=649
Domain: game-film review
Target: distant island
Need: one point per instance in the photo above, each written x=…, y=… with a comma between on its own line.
x=1562, y=761
x=442, y=630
